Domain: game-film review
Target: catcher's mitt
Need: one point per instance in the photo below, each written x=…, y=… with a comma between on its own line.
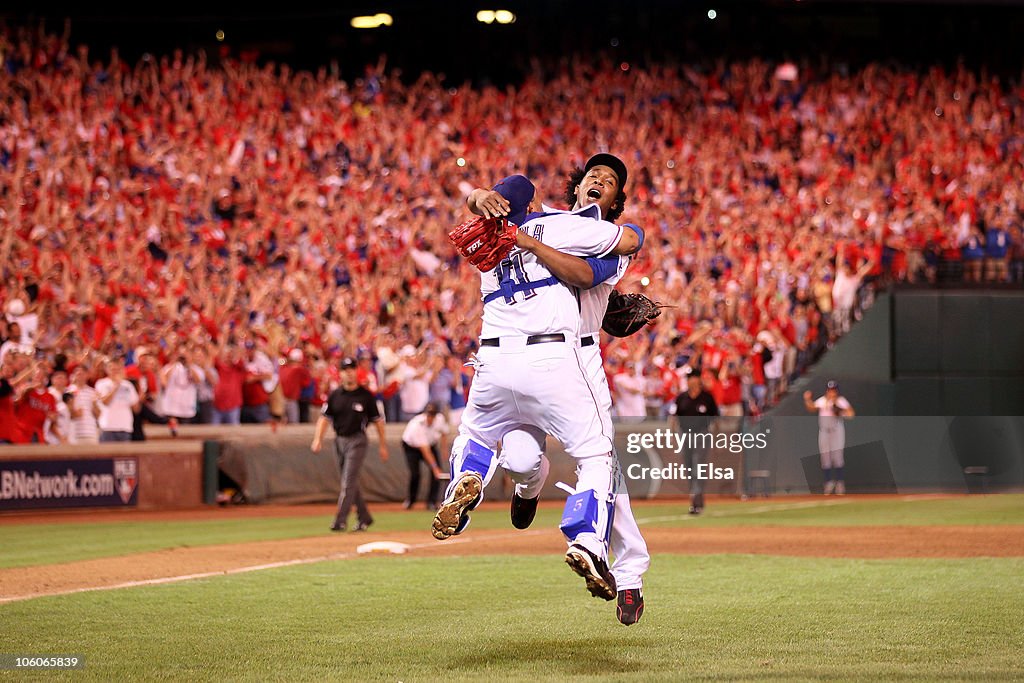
x=484, y=241
x=628, y=313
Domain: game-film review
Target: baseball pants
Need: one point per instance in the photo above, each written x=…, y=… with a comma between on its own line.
x=413, y=458
x=522, y=454
x=691, y=458
x=831, y=441
x=543, y=386
x=351, y=453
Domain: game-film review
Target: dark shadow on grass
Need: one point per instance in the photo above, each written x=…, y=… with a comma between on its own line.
x=567, y=656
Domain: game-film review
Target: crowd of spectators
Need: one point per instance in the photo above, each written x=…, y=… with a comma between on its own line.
x=217, y=236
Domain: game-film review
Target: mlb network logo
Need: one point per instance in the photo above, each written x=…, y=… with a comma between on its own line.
x=126, y=477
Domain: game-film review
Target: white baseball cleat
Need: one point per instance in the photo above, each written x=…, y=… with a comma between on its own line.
x=452, y=516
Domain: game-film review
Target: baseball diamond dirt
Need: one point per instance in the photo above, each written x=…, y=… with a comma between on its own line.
x=184, y=563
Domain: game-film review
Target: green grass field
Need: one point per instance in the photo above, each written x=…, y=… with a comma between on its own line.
x=496, y=618
x=35, y=544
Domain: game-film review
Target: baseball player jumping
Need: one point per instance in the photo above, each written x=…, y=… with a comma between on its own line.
x=522, y=450
x=530, y=373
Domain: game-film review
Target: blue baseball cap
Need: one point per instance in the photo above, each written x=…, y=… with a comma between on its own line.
x=519, y=191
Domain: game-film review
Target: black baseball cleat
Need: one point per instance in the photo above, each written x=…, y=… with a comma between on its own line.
x=594, y=570
x=630, y=606
x=363, y=526
x=452, y=516
x=523, y=511
x=337, y=527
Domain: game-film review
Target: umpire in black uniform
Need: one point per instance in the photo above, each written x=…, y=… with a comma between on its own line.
x=694, y=410
x=350, y=408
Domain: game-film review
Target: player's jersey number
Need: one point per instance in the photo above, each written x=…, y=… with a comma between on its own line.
x=511, y=271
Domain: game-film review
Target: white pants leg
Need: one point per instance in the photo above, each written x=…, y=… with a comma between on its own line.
x=630, y=558
x=830, y=444
x=522, y=456
x=542, y=386
x=628, y=548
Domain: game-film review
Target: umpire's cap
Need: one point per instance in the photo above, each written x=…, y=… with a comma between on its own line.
x=519, y=191
x=612, y=162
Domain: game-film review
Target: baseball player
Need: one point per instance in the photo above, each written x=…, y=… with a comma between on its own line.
x=522, y=450
x=529, y=370
x=831, y=408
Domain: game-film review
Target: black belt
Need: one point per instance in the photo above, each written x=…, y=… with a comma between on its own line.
x=532, y=339
x=588, y=341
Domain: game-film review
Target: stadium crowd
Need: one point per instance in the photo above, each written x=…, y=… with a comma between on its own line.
x=187, y=241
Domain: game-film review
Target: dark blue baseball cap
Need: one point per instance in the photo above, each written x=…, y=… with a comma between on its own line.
x=612, y=162
x=519, y=191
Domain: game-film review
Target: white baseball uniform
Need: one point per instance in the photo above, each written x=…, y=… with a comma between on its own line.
x=522, y=450
x=831, y=431
x=529, y=369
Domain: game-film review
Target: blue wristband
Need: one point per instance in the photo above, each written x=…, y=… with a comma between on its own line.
x=603, y=268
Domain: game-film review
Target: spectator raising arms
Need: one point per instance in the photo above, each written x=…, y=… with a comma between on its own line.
x=118, y=401
x=249, y=204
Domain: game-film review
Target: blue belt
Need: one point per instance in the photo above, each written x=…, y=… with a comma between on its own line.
x=508, y=288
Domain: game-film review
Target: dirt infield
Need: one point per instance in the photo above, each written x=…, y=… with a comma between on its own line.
x=185, y=563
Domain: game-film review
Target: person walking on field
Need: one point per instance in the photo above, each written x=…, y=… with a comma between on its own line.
x=350, y=408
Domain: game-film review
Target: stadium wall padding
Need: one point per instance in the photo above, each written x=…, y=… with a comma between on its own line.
x=936, y=377
x=953, y=397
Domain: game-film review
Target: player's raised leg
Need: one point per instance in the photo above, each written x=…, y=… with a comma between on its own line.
x=472, y=466
x=586, y=523
x=522, y=456
x=473, y=460
x=571, y=413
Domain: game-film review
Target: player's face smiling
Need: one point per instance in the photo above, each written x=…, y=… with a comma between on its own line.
x=599, y=186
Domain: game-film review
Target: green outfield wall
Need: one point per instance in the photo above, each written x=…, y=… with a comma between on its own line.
x=937, y=380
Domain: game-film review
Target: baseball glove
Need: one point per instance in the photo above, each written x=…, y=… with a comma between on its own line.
x=628, y=313
x=484, y=241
